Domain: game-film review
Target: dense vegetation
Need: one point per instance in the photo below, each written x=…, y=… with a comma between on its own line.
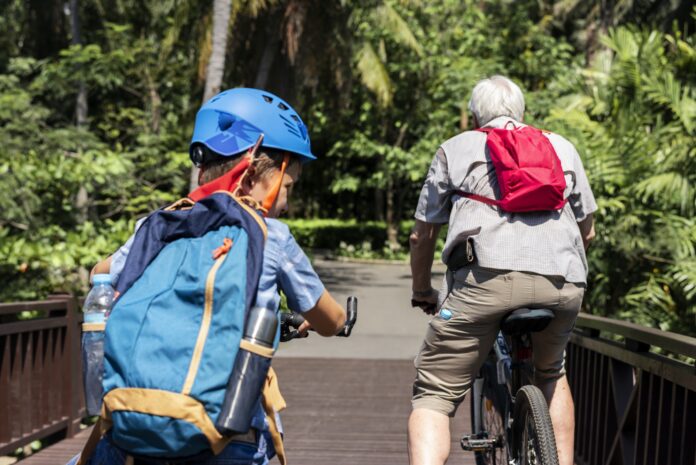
x=97, y=100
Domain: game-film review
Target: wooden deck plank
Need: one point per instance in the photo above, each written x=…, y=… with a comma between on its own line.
x=60, y=452
x=340, y=412
x=352, y=412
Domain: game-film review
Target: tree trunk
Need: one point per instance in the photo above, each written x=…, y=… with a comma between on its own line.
x=216, y=65
x=82, y=198
x=393, y=213
x=81, y=112
x=81, y=103
x=155, y=102
x=392, y=222
x=379, y=204
x=267, y=59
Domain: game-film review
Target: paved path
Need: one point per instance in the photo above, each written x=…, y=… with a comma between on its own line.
x=349, y=399
x=387, y=326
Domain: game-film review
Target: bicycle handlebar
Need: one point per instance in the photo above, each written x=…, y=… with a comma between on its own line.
x=290, y=321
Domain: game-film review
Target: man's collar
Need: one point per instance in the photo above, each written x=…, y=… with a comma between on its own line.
x=502, y=121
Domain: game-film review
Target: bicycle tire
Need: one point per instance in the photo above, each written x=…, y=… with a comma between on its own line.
x=492, y=400
x=533, y=440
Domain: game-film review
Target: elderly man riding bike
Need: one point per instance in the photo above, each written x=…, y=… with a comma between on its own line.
x=520, y=207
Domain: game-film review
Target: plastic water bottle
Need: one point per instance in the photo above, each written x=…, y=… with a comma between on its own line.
x=97, y=307
x=249, y=374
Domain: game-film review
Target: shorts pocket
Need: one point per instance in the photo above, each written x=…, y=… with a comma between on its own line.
x=480, y=294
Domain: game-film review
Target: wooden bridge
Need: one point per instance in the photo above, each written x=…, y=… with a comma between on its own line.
x=635, y=405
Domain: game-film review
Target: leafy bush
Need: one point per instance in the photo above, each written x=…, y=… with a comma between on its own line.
x=355, y=239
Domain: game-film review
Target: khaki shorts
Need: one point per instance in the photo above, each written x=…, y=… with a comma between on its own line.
x=454, y=350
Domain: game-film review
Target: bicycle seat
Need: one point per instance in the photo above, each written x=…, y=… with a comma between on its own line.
x=526, y=320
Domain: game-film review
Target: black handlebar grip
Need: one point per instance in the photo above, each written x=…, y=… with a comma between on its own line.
x=351, y=316
x=290, y=321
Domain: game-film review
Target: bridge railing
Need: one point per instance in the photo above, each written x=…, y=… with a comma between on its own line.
x=40, y=387
x=634, y=404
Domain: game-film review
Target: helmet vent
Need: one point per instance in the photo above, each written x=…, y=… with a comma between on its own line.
x=292, y=128
x=295, y=118
x=267, y=98
x=282, y=106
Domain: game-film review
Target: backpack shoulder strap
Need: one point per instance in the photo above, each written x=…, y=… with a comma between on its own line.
x=479, y=198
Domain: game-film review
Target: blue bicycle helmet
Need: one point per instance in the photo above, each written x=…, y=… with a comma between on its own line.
x=232, y=121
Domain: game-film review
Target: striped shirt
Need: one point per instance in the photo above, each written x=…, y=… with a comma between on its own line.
x=546, y=243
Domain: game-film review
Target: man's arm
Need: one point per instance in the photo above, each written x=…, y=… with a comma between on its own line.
x=587, y=231
x=423, y=240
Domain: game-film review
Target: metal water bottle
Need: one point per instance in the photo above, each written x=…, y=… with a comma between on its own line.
x=249, y=373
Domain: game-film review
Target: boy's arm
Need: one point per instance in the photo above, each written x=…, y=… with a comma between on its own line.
x=103, y=267
x=327, y=317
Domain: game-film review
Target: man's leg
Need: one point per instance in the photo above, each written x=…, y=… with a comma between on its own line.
x=562, y=411
x=549, y=355
x=454, y=349
x=428, y=437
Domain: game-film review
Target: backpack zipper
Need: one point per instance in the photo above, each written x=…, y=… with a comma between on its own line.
x=219, y=254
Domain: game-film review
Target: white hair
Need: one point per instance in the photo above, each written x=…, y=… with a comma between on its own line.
x=496, y=96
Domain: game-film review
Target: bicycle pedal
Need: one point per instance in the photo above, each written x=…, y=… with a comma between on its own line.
x=474, y=443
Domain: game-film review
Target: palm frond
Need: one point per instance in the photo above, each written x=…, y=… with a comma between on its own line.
x=676, y=235
x=665, y=90
x=668, y=189
x=394, y=25
x=373, y=74
x=683, y=274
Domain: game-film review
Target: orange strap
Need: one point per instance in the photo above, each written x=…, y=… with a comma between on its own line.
x=272, y=196
x=223, y=249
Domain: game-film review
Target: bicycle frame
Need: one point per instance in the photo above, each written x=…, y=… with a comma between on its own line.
x=509, y=365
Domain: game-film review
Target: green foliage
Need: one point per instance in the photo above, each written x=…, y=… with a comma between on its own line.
x=355, y=239
x=329, y=233
x=633, y=119
x=380, y=85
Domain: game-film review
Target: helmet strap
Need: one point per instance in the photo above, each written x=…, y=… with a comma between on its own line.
x=251, y=155
x=272, y=195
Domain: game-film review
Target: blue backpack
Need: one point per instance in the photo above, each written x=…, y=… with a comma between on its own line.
x=172, y=338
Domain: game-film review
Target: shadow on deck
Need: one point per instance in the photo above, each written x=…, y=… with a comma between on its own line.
x=340, y=412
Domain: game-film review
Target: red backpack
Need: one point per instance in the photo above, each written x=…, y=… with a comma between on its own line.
x=529, y=172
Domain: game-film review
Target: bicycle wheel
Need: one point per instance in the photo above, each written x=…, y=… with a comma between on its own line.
x=533, y=439
x=493, y=407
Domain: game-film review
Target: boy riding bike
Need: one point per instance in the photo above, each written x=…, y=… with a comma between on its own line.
x=252, y=144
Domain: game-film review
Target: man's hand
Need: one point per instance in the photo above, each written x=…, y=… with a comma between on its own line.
x=425, y=300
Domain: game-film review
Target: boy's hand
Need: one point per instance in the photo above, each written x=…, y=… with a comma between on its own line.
x=304, y=328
